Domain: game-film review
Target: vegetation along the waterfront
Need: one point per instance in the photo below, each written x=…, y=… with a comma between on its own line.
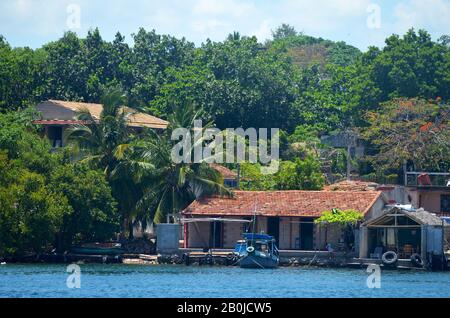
x=396, y=97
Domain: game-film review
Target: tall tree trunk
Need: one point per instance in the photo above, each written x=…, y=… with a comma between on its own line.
x=125, y=228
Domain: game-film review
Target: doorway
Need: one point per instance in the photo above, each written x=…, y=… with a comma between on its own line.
x=216, y=235
x=273, y=228
x=306, y=234
x=54, y=134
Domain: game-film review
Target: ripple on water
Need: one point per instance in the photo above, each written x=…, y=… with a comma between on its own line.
x=115, y=280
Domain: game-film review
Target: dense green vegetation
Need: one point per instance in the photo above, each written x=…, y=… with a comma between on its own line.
x=395, y=97
x=44, y=199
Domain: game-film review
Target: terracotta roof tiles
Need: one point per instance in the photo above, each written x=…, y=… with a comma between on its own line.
x=284, y=203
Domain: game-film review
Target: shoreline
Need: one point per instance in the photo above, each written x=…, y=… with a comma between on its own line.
x=177, y=259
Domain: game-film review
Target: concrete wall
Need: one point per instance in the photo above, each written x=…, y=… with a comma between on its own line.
x=168, y=238
x=331, y=234
x=396, y=194
x=376, y=210
x=261, y=224
x=285, y=239
x=231, y=233
x=198, y=234
x=363, y=242
x=429, y=200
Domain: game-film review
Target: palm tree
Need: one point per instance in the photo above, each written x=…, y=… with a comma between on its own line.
x=102, y=142
x=171, y=186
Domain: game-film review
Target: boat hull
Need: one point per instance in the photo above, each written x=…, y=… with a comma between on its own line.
x=254, y=261
x=96, y=251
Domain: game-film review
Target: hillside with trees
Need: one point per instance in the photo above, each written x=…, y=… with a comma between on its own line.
x=396, y=98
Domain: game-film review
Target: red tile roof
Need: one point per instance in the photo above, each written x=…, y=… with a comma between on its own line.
x=284, y=203
x=225, y=172
x=351, y=185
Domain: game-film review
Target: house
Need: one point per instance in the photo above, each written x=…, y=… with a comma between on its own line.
x=56, y=116
x=429, y=190
x=230, y=178
x=394, y=194
x=287, y=215
x=406, y=231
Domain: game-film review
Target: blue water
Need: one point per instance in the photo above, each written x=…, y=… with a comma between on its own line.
x=224, y=282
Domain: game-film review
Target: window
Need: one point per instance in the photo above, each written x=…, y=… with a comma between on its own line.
x=445, y=203
x=230, y=183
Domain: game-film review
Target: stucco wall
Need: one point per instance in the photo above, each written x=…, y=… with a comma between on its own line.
x=376, y=210
x=285, y=233
x=198, y=234
x=231, y=233
x=331, y=234
x=431, y=200
x=261, y=224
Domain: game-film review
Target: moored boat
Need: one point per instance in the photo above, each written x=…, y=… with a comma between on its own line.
x=257, y=251
x=98, y=249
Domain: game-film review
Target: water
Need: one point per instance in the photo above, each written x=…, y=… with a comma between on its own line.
x=49, y=280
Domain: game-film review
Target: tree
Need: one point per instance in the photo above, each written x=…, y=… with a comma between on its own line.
x=172, y=186
x=410, y=130
x=302, y=174
x=411, y=66
x=237, y=83
x=345, y=219
x=93, y=216
x=284, y=31
x=340, y=217
x=31, y=213
x=101, y=144
x=21, y=80
x=45, y=200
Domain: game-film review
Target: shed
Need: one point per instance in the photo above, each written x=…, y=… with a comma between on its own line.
x=404, y=231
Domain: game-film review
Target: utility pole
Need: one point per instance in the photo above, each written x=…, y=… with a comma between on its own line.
x=349, y=159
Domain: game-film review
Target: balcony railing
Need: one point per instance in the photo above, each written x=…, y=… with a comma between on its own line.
x=427, y=179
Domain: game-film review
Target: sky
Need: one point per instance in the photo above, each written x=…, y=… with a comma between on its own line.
x=361, y=23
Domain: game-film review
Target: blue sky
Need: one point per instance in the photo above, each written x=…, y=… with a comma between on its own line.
x=35, y=22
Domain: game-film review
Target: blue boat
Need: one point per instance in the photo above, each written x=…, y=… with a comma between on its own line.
x=257, y=251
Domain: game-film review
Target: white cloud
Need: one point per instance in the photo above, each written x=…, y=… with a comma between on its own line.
x=209, y=25
x=323, y=15
x=264, y=31
x=34, y=22
x=433, y=15
x=222, y=7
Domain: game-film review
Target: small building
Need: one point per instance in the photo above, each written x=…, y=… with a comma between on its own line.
x=56, y=116
x=394, y=194
x=404, y=230
x=287, y=215
x=230, y=178
x=429, y=190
